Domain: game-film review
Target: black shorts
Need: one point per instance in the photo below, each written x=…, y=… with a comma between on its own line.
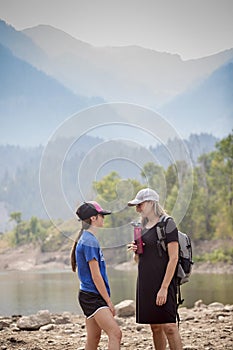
x=90, y=303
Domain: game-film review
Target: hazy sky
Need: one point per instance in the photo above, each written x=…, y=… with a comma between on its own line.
x=191, y=28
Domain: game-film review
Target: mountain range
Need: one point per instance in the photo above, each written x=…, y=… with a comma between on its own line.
x=132, y=73
x=212, y=99
x=47, y=75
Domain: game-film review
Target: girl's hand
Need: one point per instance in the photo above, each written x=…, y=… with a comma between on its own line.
x=112, y=308
x=161, y=296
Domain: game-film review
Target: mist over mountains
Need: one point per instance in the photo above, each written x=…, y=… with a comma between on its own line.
x=29, y=98
x=212, y=99
x=47, y=75
x=31, y=102
x=146, y=76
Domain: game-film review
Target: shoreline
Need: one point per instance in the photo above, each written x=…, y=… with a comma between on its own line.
x=28, y=266
x=207, y=327
x=29, y=258
x=198, y=267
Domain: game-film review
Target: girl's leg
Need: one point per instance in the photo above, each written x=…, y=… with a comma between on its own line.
x=106, y=321
x=93, y=334
x=158, y=336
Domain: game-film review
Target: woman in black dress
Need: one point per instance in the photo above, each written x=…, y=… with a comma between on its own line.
x=156, y=302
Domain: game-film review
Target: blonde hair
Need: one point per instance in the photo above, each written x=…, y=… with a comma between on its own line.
x=158, y=210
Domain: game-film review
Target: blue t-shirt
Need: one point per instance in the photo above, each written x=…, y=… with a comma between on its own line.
x=87, y=249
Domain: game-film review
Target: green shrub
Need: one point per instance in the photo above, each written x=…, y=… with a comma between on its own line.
x=217, y=255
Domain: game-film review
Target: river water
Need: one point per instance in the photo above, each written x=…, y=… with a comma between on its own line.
x=27, y=292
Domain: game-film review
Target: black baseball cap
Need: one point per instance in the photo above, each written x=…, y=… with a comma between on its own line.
x=89, y=209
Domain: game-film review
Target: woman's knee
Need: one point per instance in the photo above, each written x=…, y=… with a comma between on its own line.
x=156, y=328
x=170, y=328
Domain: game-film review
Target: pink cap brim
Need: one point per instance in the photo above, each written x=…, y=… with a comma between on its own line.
x=99, y=208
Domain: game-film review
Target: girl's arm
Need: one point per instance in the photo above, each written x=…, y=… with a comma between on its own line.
x=173, y=250
x=99, y=283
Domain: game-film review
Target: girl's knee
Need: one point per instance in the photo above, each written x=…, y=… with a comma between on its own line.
x=114, y=333
x=117, y=333
x=93, y=341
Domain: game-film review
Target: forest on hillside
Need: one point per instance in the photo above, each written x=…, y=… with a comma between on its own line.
x=20, y=168
x=209, y=215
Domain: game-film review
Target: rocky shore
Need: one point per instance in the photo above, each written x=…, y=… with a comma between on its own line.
x=28, y=257
x=206, y=327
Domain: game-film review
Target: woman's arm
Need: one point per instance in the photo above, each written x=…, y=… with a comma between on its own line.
x=133, y=247
x=99, y=283
x=173, y=250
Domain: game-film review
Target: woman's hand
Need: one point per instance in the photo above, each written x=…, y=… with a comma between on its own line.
x=161, y=297
x=132, y=247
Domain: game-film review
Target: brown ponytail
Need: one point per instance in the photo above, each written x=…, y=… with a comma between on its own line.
x=85, y=225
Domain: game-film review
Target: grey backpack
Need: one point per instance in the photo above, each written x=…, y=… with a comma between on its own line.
x=185, y=251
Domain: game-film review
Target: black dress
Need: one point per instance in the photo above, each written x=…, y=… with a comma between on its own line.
x=151, y=270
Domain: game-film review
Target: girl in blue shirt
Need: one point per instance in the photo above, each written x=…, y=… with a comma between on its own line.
x=94, y=294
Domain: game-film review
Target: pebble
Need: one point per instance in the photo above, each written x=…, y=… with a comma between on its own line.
x=202, y=327
x=47, y=328
x=221, y=318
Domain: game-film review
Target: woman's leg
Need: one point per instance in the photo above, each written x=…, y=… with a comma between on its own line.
x=93, y=334
x=173, y=336
x=158, y=336
x=106, y=321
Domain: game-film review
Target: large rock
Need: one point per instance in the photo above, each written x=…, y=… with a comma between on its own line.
x=216, y=305
x=4, y=323
x=34, y=322
x=199, y=304
x=125, y=308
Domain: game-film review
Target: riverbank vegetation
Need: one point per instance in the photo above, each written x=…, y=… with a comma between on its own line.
x=209, y=215
x=221, y=254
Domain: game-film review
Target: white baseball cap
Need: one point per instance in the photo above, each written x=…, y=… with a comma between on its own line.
x=147, y=194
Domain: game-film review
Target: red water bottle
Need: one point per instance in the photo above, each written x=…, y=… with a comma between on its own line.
x=138, y=237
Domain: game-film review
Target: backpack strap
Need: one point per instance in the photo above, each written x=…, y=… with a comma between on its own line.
x=179, y=302
x=161, y=232
x=161, y=237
